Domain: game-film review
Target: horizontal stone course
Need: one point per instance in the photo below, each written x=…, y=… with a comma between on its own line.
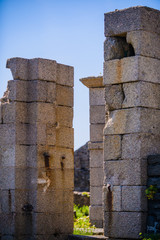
x=96, y=158
x=97, y=114
x=96, y=96
x=120, y=22
x=96, y=132
x=112, y=147
x=64, y=95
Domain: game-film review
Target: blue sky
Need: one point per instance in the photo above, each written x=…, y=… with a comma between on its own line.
x=68, y=31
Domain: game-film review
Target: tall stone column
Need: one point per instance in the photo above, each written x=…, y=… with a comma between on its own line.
x=95, y=146
x=132, y=132
x=36, y=151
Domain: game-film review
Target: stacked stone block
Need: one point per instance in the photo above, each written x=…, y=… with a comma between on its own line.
x=132, y=132
x=36, y=151
x=97, y=121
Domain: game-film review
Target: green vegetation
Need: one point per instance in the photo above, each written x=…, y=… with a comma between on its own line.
x=149, y=236
x=82, y=225
x=151, y=191
x=85, y=194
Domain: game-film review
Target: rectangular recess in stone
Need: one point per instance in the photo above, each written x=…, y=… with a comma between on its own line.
x=96, y=177
x=96, y=132
x=64, y=96
x=64, y=116
x=145, y=43
x=65, y=75
x=96, y=158
x=65, y=137
x=134, y=198
x=97, y=114
x=96, y=96
x=133, y=120
x=119, y=22
x=131, y=69
x=138, y=145
x=125, y=172
x=112, y=147
x=124, y=225
x=96, y=195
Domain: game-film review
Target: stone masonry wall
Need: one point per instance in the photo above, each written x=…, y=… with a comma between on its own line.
x=81, y=169
x=132, y=132
x=36, y=151
x=97, y=121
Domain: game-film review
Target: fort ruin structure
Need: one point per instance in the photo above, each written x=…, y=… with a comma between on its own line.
x=36, y=137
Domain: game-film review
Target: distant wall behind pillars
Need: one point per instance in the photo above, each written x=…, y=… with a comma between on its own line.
x=36, y=150
x=132, y=132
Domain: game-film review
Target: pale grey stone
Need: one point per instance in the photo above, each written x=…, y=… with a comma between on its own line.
x=134, y=198
x=97, y=96
x=126, y=225
x=96, y=213
x=7, y=155
x=145, y=43
x=64, y=96
x=95, y=146
x=64, y=116
x=18, y=67
x=7, y=180
x=97, y=224
x=112, y=147
x=96, y=177
x=112, y=200
x=140, y=145
x=96, y=195
x=133, y=120
x=65, y=75
x=96, y=132
x=131, y=69
x=17, y=90
x=132, y=19
x=125, y=172
x=65, y=137
x=97, y=114
x=8, y=134
x=96, y=158
x=114, y=96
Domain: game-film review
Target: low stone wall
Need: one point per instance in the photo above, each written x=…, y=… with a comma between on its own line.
x=153, y=221
x=81, y=198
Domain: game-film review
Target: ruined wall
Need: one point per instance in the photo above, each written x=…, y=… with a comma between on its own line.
x=36, y=151
x=132, y=132
x=95, y=146
x=81, y=169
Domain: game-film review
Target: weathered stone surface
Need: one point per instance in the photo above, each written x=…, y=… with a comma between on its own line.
x=7, y=155
x=17, y=90
x=114, y=96
x=97, y=114
x=64, y=96
x=96, y=195
x=131, y=69
x=112, y=200
x=93, y=82
x=42, y=69
x=64, y=116
x=7, y=223
x=95, y=212
x=65, y=75
x=139, y=145
x=112, y=147
x=96, y=132
x=119, y=22
x=8, y=134
x=0, y=112
x=133, y=121
x=128, y=224
x=145, y=43
x=142, y=94
x=96, y=145
x=7, y=180
x=125, y=172
x=65, y=137
x=96, y=177
x=50, y=134
x=18, y=67
x=117, y=48
x=96, y=96
x=134, y=198
x=96, y=158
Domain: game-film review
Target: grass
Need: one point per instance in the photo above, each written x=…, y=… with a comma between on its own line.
x=82, y=225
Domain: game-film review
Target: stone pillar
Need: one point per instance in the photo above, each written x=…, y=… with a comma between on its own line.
x=36, y=150
x=132, y=132
x=97, y=121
